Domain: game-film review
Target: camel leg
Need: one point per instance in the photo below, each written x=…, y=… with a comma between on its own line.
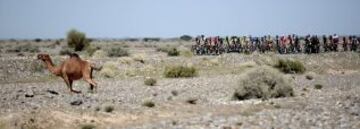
x=88, y=78
x=69, y=84
x=91, y=82
x=71, y=88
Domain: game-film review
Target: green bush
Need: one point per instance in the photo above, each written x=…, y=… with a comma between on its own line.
x=37, y=40
x=290, y=66
x=151, y=39
x=150, y=81
x=263, y=82
x=149, y=104
x=180, y=71
x=109, y=109
x=186, y=37
x=318, y=86
x=173, y=52
x=77, y=40
x=88, y=126
x=118, y=52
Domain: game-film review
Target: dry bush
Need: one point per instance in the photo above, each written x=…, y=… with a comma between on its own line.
x=139, y=58
x=290, y=66
x=99, y=54
x=150, y=81
x=173, y=52
x=263, y=82
x=109, y=70
x=91, y=50
x=25, y=48
x=37, y=66
x=180, y=71
x=118, y=52
x=125, y=60
x=186, y=53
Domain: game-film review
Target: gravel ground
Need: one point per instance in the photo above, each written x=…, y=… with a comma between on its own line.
x=32, y=98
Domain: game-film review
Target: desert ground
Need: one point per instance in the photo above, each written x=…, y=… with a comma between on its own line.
x=326, y=95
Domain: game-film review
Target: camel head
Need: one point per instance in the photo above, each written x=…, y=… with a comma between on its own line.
x=43, y=57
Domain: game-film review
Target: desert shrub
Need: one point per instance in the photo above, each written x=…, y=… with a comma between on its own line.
x=149, y=104
x=186, y=53
x=290, y=66
x=65, y=51
x=151, y=39
x=263, y=82
x=77, y=40
x=131, y=39
x=88, y=126
x=180, y=71
x=37, y=40
x=37, y=66
x=186, y=37
x=57, y=42
x=25, y=48
x=99, y=54
x=109, y=70
x=139, y=57
x=118, y=52
x=318, y=86
x=109, y=109
x=163, y=49
x=91, y=50
x=150, y=81
x=173, y=52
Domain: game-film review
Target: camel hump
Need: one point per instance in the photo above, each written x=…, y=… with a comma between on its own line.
x=74, y=55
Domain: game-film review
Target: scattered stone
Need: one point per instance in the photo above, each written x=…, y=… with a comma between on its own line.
x=174, y=93
x=192, y=101
x=76, y=103
x=29, y=94
x=52, y=92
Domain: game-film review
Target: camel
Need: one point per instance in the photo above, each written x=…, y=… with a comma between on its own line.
x=73, y=68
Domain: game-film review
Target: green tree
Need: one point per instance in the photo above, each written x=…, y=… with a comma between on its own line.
x=77, y=40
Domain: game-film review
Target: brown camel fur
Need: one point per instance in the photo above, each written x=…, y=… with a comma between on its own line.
x=71, y=69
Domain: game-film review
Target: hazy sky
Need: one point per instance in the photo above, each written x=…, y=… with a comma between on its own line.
x=171, y=18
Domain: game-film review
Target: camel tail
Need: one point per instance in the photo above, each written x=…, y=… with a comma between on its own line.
x=96, y=68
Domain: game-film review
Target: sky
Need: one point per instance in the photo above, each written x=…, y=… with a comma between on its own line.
x=29, y=19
